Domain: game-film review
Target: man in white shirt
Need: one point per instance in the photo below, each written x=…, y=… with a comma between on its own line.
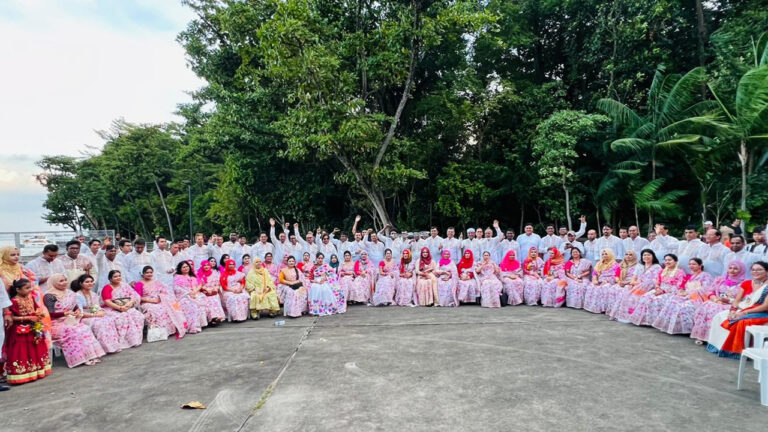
x=176, y=253
x=714, y=259
x=663, y=244
x=739, y=252
x=262, y=247
x=75, y=264
x=571, y=243
x=690, y=248
x=582, y=229
x=470, y=243
x=759, y=246
x=162, y=262
x=548, y=241
x=451, y=244
x=509, y=243
x=237, y=251
x=375, y=249
x=634, y=242
x=527, y=240
x=137, y=260
x=217, y=248
x=107, y=262
x=342, y=244
x=433, y=242
x=126, y=248
x=590, y=247
x=227, y=246
x=280, y=242
x=394, y=242
x=489, y=242
x=309, y=244
x=610, y=241
x=294, y=248
x=46, y=264
x=198, y=252
x=327, y=248
x=83, y=244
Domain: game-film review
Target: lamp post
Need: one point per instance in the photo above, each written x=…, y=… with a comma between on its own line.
x=191, y=223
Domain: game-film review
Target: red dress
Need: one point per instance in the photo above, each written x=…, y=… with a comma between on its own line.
x=27, y=357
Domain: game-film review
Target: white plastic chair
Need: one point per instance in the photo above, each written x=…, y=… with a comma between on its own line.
x=760, y=358
x=757, y=333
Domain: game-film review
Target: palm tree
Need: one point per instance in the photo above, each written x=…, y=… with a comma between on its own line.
x=747, y=116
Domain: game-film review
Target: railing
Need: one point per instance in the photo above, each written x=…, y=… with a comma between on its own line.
x=31, y=243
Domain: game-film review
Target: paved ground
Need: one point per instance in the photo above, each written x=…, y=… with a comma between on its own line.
x=382, y=369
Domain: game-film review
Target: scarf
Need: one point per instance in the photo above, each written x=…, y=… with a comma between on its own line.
x=627, y=265
x=445, y=258
x=556, y=258
x=227, y=273
x=9, y=270
x=423, y=262
x=330, y=263
x=405, y=261
x=202, y=274
x=606, y=264
x=739, y=278
x=509, y=263
x=50, y=289
x=361, y=267
x=466, y=262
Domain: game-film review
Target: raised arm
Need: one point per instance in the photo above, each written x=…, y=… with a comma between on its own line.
x=297, y=232
x=582, y=227
x=354, y=227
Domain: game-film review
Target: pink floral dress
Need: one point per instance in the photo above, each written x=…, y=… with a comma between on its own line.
x=211, y=297
x=424, y=279
x=447, y=285
x=620, y=290
x=346, y=278
x=237, y=304
x=130, y=324
x=532, y=292
x=514, y=286
x=193, y=307
x=627, y=302
x=167, y=313
x=468, y=290
x=384, y=294
x=650, y=304
x=553, y=286
x=490, y=285
x=598, y=294
x=722, y=288
x=406, y=286
x=75, y=339
x=365, y=275
x=577, y=285
x=104, y=328
x=295, y=300
x=676, y=317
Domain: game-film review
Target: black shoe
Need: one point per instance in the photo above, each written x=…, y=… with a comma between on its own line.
x=4, y=388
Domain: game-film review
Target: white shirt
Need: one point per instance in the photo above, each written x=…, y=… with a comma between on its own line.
x=136, y=263
x=472, y=244
x=526, y=242
x=611, y=242
x=637, y=244
x=162, y=262
x=238, y=251
x=574, y=244
x=691, y=249
x=294, y=249
x=279, y=246
x=746, y=257
x=664, y=244
x=199, y=254
x=714, y=257
x=260, y=249
x=547, y=242
x=44, y=269
x=590, y=250
x=489, y=244
x=342, y=246
x=327, y=250
x=375, y=251
x=452, y=245
x=106, y=266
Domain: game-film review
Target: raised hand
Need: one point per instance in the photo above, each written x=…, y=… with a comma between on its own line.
x=357, y=218
x=271, y=222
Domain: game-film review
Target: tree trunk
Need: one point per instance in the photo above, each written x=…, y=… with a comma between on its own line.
x=637, y=218
x=567, y=206
x=165, y=208
x=743, y=161
x=701, y=32
x=522, y=216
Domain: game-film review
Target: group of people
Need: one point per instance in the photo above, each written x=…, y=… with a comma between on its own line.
x=99, y=298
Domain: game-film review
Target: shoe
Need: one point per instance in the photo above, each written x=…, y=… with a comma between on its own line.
x=4, y=388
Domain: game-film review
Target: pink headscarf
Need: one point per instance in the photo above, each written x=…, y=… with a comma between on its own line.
x=731, y=281
x=202, y=275
x=445, y=258
x=509, y=263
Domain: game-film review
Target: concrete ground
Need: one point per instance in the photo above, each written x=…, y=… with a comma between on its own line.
x=419, y=369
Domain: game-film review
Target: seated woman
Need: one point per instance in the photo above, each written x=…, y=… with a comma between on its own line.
x=406, y=282
x=578, y=270
x=554, y=281
x=187, y=293
x=512, y=279
x=160, y=308
x=294, y=289
x=26, y=351
x=223, y=262
x=346, y=275
x=468, y=290
x=533, y=267
x=236, y=299
x=721, y=294
x=365, y=276
x=750, y=307
x=122, y=303
x=322, y=299
x=488, y=280
x=305, y=265
x=102, y=325
x=384, y=294
x=262, y=290
x=334, y=264
x=247, y=264
x=270, y=266
x=650, y=304
x=643, y=280
x=75, y=339
x=447, y=281
x=677, y=315
x=598, y=292
x=209, y=281
x=622, y=286
x=426, y=282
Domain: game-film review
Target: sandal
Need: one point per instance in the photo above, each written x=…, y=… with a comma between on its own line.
x=699, y=342
x=90, y=362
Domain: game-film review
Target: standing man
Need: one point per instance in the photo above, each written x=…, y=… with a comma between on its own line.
x=294, y=248
x=663, y=243
x=590, y=247
x=122, y=256
x=261, y=247
x=527, y=240
x=309, y=244
x=715, y=252
x=739, y=252
x=570, y=244
x=470, y=243
x=137, y=260
x=433, y=242
x=46, y=264
x=375, y=248
x=227, y=246
x=610, y=241
x=237, y=251
x=623, y=234
x=198, y=252
x=107, y=262
x=548, y=241
x=634, y=242
x=690, y=248
x=280, y=243
x=759, y=245
x=452, y=245
x=509, y=243
x=342, y=244
x=74, y=263
x=162, y=262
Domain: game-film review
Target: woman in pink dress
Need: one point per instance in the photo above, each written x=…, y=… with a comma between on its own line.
x=512, y=279
x=447, y=280
x=365, y=277
x=161, y=310
x=598, y=292
x=643, y=281
x=667, y=285
x=341, y=299
x=488, y=279
x=122, y=303
x=75, y=339
x=208, y=279
x=269, y=264
x=295, y=289
x=190, y=299
x=384, y=295
x=677, y=315
x=247, y=264
x=578, y=271
x=406, y=282
x=468, y=290
x=721, y=293
x=346, y=275
x=426, y=281
x=280, y=292
x=533, y=267
x=102, y=325
x=622, y=285
x=236, y=298
x=554, y=281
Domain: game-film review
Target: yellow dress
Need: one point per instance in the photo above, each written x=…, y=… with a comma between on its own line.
x=261, y=286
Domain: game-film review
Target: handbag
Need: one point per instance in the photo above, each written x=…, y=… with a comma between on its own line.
x=23, y=329
x=156, y=333
x=122, y=301
x=504, y=299
x=295, y=286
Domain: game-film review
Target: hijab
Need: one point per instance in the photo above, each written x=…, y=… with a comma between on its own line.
x=529, y=262
x=739, y=278
x=509, y=263
x=605, y=264
x=9, y=270
x=50, y=289
x=423, y=262
x=335, y=267
x=627, y=265
x=466, y=262
x=445, y=258
x=202, y=275
x=403, y=261
x=229, y=272
x=555, y=258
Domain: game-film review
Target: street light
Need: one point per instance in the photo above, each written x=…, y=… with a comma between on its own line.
x=191, y=223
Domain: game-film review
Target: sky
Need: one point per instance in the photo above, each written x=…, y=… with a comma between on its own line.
x=71, y=67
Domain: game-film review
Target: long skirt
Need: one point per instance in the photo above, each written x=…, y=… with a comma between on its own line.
x=626, y=305
x=514, y=289
x=406, y=289
x=385, y=291
x=532, y=292
x=726, y=338
x=213, y=309
x=424, y=293
x=27, y=359
x=105, y=331
x=468, y=291
x=596, y=296
x=345, y=285
x=446, y=292
x=490, y=292
x=130, y=326
x=165, y=316
x=648, y=308
x=322, y=300
x=238, y=305
x=702, y=319
x=360, y=290
x=677, y=316
x=295, y=302
x=194, y=312
x=553, y=292
x=574, y=293
x=267, y=302
x=76, y=342
x=613, y=296
x=341, y=299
